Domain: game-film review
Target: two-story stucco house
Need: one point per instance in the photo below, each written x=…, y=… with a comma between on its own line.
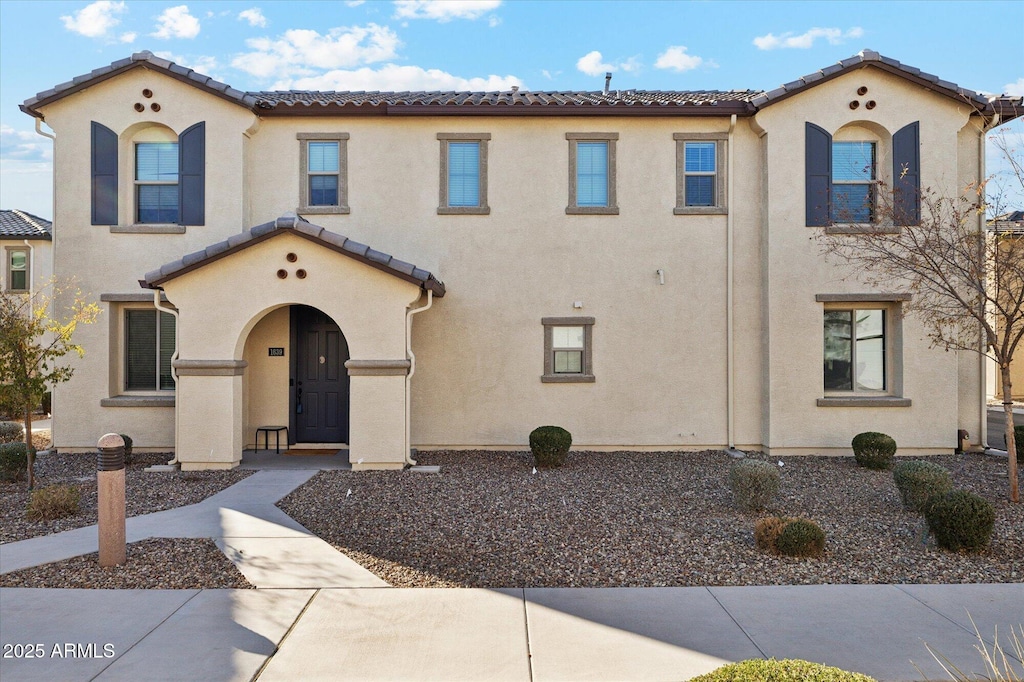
x=450, y=270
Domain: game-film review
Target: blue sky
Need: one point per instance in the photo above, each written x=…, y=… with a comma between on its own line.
x=484, y=45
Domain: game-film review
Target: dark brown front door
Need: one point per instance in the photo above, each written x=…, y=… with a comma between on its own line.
x=320, y=378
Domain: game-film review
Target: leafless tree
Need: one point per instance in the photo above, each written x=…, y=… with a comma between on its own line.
x=966, y=279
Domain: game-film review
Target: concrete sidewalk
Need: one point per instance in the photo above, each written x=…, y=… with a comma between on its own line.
x=515, y=634
x=327, y=618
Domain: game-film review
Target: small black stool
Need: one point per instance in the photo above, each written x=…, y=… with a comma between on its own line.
x=277, y=437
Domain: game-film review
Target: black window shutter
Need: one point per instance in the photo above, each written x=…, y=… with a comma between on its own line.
x=818, y=168
x=906, y=174
x=104, y=175
x=192, y=175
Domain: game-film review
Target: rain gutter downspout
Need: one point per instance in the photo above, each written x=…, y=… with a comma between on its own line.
x=174, y=375
x=729, y=274
x=53, y=203
x=982, y=357
x=408, y=377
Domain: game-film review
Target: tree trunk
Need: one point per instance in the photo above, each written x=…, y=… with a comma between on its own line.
x=31, y=450
x=1011, y=444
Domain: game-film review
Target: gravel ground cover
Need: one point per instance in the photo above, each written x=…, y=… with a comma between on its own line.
x=640, y=520
x=145, y=492
x=156, y=563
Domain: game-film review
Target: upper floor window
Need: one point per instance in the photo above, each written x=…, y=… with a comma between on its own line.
x=853, y=182
x=156, y=182
x=17, y=269
x=463, y=182
x=324, y=171
x=700, y=173
x=592, y=173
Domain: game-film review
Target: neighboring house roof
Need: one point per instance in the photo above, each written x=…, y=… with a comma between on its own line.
x=293, y=224
x=1008, y=222
x=522, y=102
x=15, y=224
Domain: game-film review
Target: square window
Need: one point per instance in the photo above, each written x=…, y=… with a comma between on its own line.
x=592, y=173
x=156, y=182
x=568, y=343
x=463, y=181
x=700, y=180
x=324, y=169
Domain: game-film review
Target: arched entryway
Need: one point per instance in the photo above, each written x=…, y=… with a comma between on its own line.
x=319, y=382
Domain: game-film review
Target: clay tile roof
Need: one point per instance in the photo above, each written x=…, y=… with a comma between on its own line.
x=301, y=227
x=16, y=224
x=139, y=59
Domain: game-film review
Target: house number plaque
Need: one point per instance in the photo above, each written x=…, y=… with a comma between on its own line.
x=275, y=352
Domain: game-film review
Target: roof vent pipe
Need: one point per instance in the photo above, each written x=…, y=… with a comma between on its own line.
x=607, y=81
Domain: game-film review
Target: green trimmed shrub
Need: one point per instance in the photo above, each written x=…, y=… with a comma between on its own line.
x=53, y=502
x=13, y=461
x=767, y=531
x=874, y=450
x=918, y=481
x=1018, y=440
x=11, y=432
x=550, y=445
x=788, y=670
x=127, y=449
x=754, y=483
x=961, y=520
x=801, y=538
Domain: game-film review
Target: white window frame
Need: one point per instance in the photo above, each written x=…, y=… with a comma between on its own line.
x=137, y=184
x=9, y=263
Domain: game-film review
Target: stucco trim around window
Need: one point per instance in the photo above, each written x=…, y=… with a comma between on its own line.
x=138, y=401
x=209, y=368
x=861, y=298
x=342, y=206
x=377, y=368
x=841, y=367
x=586, y=373
x=721, y=206
x=612, y=206
x=860, y=401
x=442, y=202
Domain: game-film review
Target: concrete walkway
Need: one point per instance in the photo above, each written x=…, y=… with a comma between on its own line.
x=326, y=619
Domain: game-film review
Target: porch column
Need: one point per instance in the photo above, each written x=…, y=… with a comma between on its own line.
x=377, y=413
x=209, y=429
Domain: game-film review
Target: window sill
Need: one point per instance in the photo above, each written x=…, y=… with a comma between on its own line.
x=864, y=401
x=463, y=210
x=700, y=210
x=567, y=378
x=323, y=210
x=592, y=210
x=147, y=228
x=138, y=401
x=862, y=228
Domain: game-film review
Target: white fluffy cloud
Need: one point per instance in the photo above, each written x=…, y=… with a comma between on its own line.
x=444, y=10
x=303, y=52
x=395, y=77
x=254, y=16
x=95, y=20
x=128, y=37
x=1015, y=89
x=676, y=59
x=176, y=22
x=24, y=145
x=593, y=64
x=805, y=40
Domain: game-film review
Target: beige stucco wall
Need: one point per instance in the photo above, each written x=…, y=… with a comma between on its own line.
x=659, y=351
x=236, y=303
x=942, y=386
